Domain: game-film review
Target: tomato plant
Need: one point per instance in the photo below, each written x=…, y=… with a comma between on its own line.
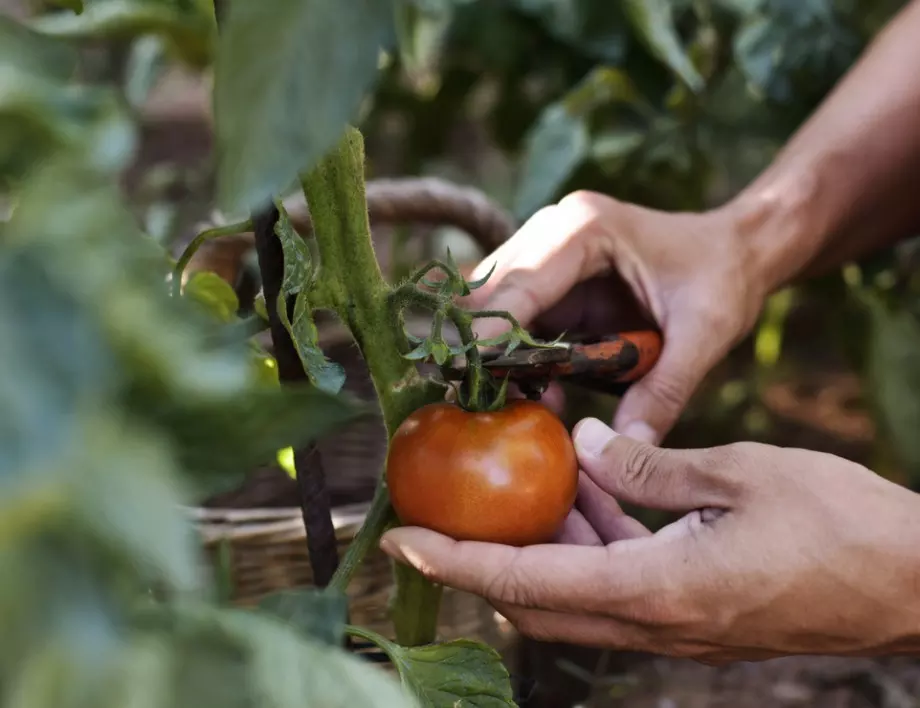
x=508, y=476
x=125, y=396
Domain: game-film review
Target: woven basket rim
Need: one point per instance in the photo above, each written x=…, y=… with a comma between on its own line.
x=286, y=523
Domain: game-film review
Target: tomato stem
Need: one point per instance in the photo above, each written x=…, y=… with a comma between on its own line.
x=379, y=518
x=474, y=371
x=415, y=614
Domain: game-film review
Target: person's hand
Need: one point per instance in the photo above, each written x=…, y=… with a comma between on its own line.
x=784, y=551
x=690, y=273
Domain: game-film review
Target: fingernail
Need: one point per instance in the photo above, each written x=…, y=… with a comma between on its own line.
x=592, y=436
x=643, y=432
x=391, y=549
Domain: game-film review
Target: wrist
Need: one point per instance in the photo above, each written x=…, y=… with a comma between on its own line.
x=780, y=228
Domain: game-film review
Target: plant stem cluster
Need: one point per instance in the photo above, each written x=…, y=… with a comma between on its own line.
x=479, y=390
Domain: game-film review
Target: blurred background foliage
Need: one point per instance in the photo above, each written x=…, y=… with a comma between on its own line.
x=674, y=105
x=119, y=402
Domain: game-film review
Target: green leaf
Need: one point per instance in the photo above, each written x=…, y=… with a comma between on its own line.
x=795, y=52
x=555, y=147
x=476, y=284
x=323, y=373
x=32, y=53
x=298, y=259
x=318, y=614
x=146, y=63
x=259, y=307
x=421, y=32
x=215, y=294
x=560, y=141
x=461, y=672
x=55, y=360
x=75, y=5
x=91, y=245
x=43, y=113
x=255, y=660
x=894, y=375
x=421, y=352
x=593, y=27
x=290, y=75
x=612, y=148
x=192, y=34
x=60, y=631
x=760, y=57
x=654, y=22
x=266, y=367
x=218, y=441
x=129, y=496
x=601, y=87
x=440, y=352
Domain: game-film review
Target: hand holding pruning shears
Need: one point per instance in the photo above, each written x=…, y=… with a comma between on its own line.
x=769, y=557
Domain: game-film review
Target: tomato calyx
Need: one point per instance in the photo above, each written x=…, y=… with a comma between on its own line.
x=478, y=391
x=490, y=397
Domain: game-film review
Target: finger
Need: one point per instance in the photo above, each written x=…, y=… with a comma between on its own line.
x=502, y=259
x=604, y=514
x=653, y=477
x=540, y=264
x=653, y=404
x=554, y=398
x=616, y=580
x=576, y=531
x=581, y=630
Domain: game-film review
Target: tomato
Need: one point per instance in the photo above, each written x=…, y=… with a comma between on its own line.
x=508, y=476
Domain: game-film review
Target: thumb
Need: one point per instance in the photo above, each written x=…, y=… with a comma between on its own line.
x=642, y=474
x=653, y=404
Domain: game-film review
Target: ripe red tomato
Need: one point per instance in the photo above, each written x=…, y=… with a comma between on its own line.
x=508, y=476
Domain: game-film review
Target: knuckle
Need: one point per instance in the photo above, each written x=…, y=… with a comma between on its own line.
x=725, y=464
x=520, y=283
x=428, y=570
x=513, y=586
x=669, y=389
x=721, y=322
x=580, y=199
x=659, y=612
x=639, y=465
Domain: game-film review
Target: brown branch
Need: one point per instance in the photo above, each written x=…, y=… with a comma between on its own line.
x=311, y=479
x=315, y=503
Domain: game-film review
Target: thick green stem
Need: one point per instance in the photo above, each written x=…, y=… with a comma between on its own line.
x=415, y=606
x=351, y=280
x=353, y=285
x=379, y=518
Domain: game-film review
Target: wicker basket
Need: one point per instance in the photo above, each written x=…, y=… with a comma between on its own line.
x=268, y=553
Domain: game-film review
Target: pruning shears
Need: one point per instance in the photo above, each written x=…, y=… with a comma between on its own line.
x=608, y=364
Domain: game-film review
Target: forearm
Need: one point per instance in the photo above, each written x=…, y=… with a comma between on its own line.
x=846, y=183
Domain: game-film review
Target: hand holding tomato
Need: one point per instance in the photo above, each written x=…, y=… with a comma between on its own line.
x=783, y=551
x=508, y=476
